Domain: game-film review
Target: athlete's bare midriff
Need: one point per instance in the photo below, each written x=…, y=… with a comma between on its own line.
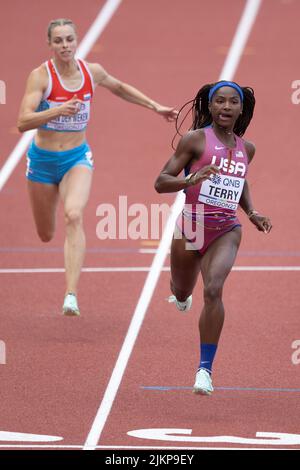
x=59, y=141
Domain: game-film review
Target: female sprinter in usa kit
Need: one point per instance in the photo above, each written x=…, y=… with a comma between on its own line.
x=57, y=103
x=207, y=236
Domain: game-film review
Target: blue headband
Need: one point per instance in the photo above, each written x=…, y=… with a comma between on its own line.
x=225, y=83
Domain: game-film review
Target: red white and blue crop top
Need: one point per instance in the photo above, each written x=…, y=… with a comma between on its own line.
x=57, y=94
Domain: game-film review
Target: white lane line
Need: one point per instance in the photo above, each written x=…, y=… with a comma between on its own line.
x=137, y=269
x=240, y=39
x=266, y=268
x=84, y=48
x=247, y=20
x=133, y=330
x=148, y=251
x=15, y=157
x=165, y=448
x=85, y=270
x=26, y=437
x=96, y=29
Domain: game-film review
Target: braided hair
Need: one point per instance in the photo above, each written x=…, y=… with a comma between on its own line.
x=202, y=117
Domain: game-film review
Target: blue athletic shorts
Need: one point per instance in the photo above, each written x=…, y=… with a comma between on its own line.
x=46, y=166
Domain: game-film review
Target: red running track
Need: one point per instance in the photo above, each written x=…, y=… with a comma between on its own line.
x=58, y=368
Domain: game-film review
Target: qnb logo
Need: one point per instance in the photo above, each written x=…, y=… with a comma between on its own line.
x=296, y=94
x=2, y=352
x=235, y=168
x=296, y=354
x=2, y=92
x=216, y=179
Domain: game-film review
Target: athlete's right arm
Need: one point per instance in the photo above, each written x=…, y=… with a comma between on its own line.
x=29, y=118
x=190, y=147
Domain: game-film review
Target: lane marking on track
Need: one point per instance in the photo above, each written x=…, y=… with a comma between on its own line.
x=20, y=436
x=165, y=388
x=84, y=48
x=185, y=435
x=138, y=269
x=241, y=36
x=121, y=447
x=144, y=251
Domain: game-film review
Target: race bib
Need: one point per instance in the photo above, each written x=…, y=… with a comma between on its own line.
x=222, y=191
x=78, y=122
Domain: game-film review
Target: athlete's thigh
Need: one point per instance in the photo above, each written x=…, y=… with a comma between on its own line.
x=219, y=258
x=43, y=199
x=185, y=263
x=75, y=187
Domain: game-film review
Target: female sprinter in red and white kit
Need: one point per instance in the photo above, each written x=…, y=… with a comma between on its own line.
x=57, y=103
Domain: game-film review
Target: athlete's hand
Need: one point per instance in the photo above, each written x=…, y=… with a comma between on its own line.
x=262, y=223
x=170, y=114
x=203, y=174
x=71, y=107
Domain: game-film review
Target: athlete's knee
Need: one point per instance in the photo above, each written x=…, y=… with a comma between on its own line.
x=73, y=216
x=213, y=291
x=45, y=236
x=180, y=293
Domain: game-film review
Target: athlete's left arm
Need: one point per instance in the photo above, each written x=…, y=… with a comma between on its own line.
x=261, y=222
x=129, y=93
